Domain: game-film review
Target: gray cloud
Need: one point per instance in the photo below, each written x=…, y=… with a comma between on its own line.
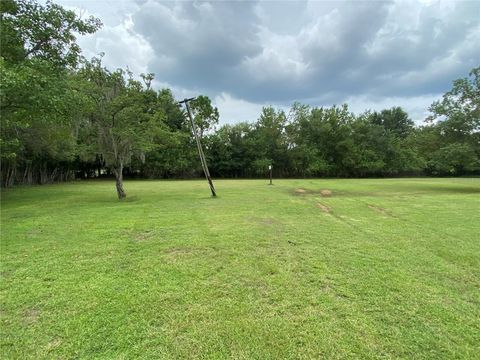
x=247, y=54
x=340, y=49
x=198, y=44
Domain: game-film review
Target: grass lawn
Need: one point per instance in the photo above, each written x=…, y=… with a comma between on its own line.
x=384, y=268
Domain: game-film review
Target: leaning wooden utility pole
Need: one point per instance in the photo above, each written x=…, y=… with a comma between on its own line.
x=199, y=146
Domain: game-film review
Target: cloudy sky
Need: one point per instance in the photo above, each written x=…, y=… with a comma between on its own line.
x=244, y=55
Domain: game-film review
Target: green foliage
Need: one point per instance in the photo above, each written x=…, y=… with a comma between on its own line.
x=174, y=116
x=326, y=133
x=47, y=32
x=37, y=101
x=454, y=159
x=394, y=121
x=454, y=136
x=270, y=142
x=232, y=151
x=367, y=156
x=204, y=114
x=125, y=119
x=459, y=109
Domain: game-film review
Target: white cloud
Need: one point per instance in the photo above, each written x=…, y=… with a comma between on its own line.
x=116, y=39
x=246, y=54
x=122, y=47
x=234, y=110
x=416, y=107
x=280, y=58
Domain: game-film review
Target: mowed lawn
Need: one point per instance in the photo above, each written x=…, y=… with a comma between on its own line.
x=383, y=268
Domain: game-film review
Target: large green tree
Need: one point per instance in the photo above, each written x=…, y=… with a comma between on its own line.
x=270, y=141
x=232, y=151
x=394, y=121
x=123, y=120
x=38, y=53
x=459, y=109
x=457, y=120
x=205, y=114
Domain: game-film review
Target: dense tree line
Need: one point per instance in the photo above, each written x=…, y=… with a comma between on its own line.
x=65, y=117
x=319, y=141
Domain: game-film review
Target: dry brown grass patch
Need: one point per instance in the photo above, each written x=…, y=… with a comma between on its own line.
x=379, y=210
x=326, y=193
x=30, y=316
x=324, y=208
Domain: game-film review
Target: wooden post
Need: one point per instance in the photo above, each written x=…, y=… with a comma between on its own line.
x=199, y=147
x=270, y=168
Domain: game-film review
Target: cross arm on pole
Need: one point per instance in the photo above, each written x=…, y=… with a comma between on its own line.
x=185, y=101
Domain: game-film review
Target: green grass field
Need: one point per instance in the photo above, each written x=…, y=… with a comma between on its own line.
x=384, y=268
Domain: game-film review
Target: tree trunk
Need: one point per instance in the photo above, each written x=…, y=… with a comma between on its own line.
x=53, y=175
x=13, y=173
x=43, y=174
x=118, y=171
x=8, y=175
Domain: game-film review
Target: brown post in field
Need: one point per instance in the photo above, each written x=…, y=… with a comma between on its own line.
x=199, y=146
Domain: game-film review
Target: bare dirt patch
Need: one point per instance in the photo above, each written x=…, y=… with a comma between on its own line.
x=265, y=221
x=325, y=193
x=179, y=251
x=140, y=235
x=143, y=235
x=324, y=208
x=53, y=344
x=185, y=253
x=33, y=233
x=30, y=316
x=268, y=221
x=379, y=210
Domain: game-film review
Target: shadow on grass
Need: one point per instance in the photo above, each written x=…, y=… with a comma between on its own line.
x=430, y=188
x=403, y=189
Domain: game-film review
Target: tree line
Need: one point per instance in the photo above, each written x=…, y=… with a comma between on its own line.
x=66, y=117
x=333, y=142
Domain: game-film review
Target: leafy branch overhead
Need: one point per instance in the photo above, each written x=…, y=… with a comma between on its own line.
x=48, y=32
